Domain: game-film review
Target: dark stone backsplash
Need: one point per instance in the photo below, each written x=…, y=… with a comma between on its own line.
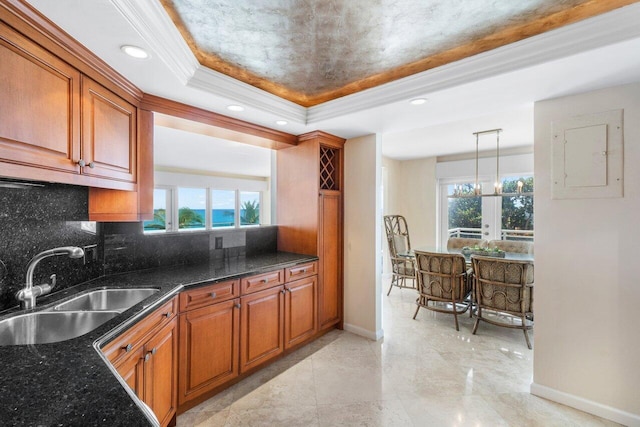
x=39, y=218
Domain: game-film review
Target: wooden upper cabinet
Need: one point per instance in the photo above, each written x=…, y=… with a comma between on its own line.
x=59, y=125
x=108, y=134
x=39, y=110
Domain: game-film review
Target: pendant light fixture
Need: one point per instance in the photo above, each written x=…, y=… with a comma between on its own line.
x=497, y=186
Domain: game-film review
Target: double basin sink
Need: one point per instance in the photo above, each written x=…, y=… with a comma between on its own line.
x=70, y=319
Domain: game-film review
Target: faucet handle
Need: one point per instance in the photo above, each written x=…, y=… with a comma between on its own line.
x=53, y=280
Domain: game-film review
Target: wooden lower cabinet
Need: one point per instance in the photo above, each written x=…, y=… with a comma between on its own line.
x=261, y=327
x=160, y=373
x=209, y=344
x=131, y=369
x=300, y=311
x=330, y=289
x=146, y=357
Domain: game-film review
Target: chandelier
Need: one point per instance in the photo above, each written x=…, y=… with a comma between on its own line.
x=497, y=186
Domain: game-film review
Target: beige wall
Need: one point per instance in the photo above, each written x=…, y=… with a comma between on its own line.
x=362, y=236
x=587, y=339
x=411, y=192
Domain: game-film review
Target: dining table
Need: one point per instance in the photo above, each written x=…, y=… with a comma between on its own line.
x=467, y=255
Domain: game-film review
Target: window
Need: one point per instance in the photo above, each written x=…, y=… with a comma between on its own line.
x=249, y=208
x=203, y=209
x=517, y=211
x=223, y=208
x=490, y=218
x=159, y=222
x=192, y=204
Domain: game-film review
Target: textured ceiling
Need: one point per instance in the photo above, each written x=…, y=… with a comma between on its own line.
x=312, y=51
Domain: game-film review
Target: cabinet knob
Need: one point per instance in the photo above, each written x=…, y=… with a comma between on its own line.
x=92, y=165
x=237, y=305
x=154, y=350
x=168, y=314
x=265, y=280
x=283, y=291
x=147, y=357
x=127, y=348
x=213, y=295
x=82, y=163
x=287, y=289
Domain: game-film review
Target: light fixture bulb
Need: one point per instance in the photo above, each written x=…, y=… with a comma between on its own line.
x=281, y=122
x=134, y=51
x=418, y=101
x=235, y=108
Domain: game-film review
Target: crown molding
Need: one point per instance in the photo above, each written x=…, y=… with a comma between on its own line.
x=151, y=21
x=612, y=27
x=220, y=84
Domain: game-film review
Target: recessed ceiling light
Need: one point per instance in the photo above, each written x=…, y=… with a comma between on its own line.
x=281, y=122
x=134, y=51
x=418, y=101
x=235, y=108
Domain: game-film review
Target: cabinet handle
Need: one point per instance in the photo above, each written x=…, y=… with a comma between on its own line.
x=237, y=305
x=265, y=280
x=304, y=270
x=127, y=348
x=168, y=314
x=213, y=295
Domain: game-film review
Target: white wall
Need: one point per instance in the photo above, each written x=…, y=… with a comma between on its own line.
x=362, y=236
x=587, y=291
x=417, y=186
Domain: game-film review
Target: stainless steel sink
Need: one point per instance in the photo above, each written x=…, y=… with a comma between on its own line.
x=50, y=326
x=107, y=299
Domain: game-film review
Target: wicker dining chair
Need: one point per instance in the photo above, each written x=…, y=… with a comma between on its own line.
x=403, y=273
x=443, y=280
x=461, y=242
x=515, y=246
x=504, y=288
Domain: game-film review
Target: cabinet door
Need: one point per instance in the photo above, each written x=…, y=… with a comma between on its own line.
x=131, y=369
x=39, y=110
x=330, y=251
x=262, y=335
x=161, y=372
x=301, y=321
x=209, y=344
x=108, y=134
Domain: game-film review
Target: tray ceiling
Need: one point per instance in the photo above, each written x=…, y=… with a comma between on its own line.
x=313, y=51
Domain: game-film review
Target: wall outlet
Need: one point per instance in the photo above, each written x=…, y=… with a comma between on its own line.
x=218, y=242
x=90, y=254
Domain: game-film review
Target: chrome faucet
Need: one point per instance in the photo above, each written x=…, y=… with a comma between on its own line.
x=27, y=296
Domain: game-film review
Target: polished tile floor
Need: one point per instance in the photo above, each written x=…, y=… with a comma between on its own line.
x=423, y=373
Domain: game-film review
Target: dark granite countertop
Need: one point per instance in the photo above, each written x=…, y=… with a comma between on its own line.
x=69, y=383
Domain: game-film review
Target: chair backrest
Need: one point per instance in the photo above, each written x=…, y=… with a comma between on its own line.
x=461, y=242
x=502, y=283
x=515, y=246
x=397, y=234
x=441, y=275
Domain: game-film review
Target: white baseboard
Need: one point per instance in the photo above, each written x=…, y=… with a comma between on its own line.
x=595, y=408
x=364, y=332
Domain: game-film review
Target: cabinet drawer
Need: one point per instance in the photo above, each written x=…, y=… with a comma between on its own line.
x=261, y=281
x=206, y=295
x=300, y=271
x=130, y=339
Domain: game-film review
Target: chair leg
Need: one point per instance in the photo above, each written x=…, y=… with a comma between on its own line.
x=455, y=317
x=475, y=325
x=390, y=287
x=417, y=309
x=526, y=334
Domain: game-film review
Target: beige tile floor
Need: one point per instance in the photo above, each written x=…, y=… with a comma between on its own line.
x=423, y=373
